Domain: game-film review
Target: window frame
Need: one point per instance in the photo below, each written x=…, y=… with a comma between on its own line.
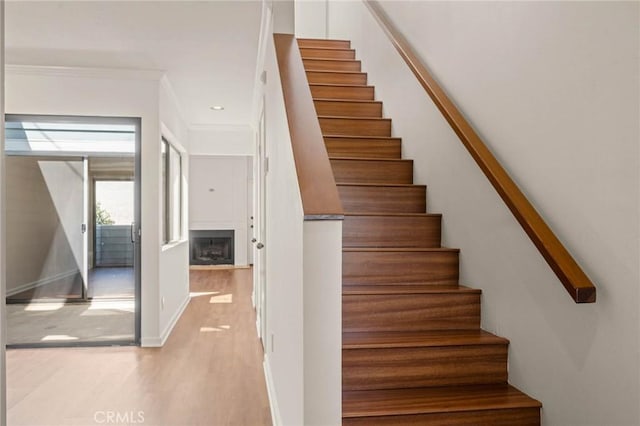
x=168, y=213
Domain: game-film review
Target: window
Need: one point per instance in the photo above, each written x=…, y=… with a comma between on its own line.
x=171, y=192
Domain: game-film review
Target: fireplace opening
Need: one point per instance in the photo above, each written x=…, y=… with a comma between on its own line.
x=211, y=247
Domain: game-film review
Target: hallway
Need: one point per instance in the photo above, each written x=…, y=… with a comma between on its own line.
x=208, y=373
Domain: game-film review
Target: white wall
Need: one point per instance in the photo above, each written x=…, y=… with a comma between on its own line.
x=322, y=277
x=311, y=18
x=89, y=92
x=174, y=258
x=221, y=140
x=219, y=198
x=553, y=88
x=284, y=361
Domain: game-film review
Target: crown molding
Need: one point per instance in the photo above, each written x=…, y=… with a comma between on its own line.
x=205, y=127
x=168, y=87
x=85, y=72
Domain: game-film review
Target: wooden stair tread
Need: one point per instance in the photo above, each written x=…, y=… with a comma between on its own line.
x=393, y=402
x=402, y=249
x=393, y=214
x=327, y=59
x=342, y=117
x=403, y=339
x=386, y=185
x=326, y=48
x=339, y=85
x=334, y=40
x=357, y=101
x=352, y=290
x=361, y=137
x=335, y=71
x=370, y=159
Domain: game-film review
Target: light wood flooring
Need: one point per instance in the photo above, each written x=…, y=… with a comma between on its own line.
x=208, y=373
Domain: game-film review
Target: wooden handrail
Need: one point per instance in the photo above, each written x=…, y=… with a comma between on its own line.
x=576, y=282
x=320, y=199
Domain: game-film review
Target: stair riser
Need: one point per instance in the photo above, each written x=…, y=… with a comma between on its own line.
x=330, y=65
x=391, y=231
x=506, y=417
x=411, y=312
x=332, y=53
x=399, y=267
x=348, y=109
x=363, y=147
x=409, y=199
x=336, y=78
x=386, y=172
x=331, y=44
x=364, y=93
x=353, y=127
x=368, y=369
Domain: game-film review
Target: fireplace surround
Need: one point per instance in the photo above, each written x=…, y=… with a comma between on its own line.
x=211, y=247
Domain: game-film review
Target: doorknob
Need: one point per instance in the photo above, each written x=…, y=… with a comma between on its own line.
x=253, y=240
x=259, y=246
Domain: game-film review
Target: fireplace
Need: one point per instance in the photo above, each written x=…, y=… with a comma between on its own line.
x=211, y=247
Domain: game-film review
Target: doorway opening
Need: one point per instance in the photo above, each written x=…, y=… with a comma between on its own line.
x=111, y=275
x=73, y=274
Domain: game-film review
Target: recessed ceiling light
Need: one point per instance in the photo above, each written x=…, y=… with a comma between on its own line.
x=217, y=108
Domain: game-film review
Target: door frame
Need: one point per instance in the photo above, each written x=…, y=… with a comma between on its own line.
x=136, y=122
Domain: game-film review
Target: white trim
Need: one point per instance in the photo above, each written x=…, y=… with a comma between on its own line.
x=157, y=342
x=171, y=93
x=86, y=72
x=173, y=140
x=271, y=393
x=42, y=282
x=229, y=126
x=172, y=244
x=258, y=85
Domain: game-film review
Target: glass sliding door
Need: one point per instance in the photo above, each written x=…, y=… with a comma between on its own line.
x=67, y=177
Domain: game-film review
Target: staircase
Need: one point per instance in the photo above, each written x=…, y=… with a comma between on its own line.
x=412, y=348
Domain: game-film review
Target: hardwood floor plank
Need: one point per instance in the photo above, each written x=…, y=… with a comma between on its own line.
x=209, y=371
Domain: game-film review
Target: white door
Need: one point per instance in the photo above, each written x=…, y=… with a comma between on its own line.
x=259, y=229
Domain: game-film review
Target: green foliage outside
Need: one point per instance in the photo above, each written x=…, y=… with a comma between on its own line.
x=102, y=216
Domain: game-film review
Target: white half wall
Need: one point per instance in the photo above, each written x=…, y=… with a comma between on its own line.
x=553, y=89
x=284, y=352
x=322, y=275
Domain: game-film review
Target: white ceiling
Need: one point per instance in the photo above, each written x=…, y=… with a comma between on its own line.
x=208, y=48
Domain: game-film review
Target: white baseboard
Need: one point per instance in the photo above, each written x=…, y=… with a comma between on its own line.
x=271, y=393
x=156, y=342
x=42, y=282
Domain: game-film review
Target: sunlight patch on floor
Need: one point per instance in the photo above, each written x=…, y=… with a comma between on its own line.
x=43, y=306
x=213, y=329
x=202, y=293
x=58, y=338
x=223, y=298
